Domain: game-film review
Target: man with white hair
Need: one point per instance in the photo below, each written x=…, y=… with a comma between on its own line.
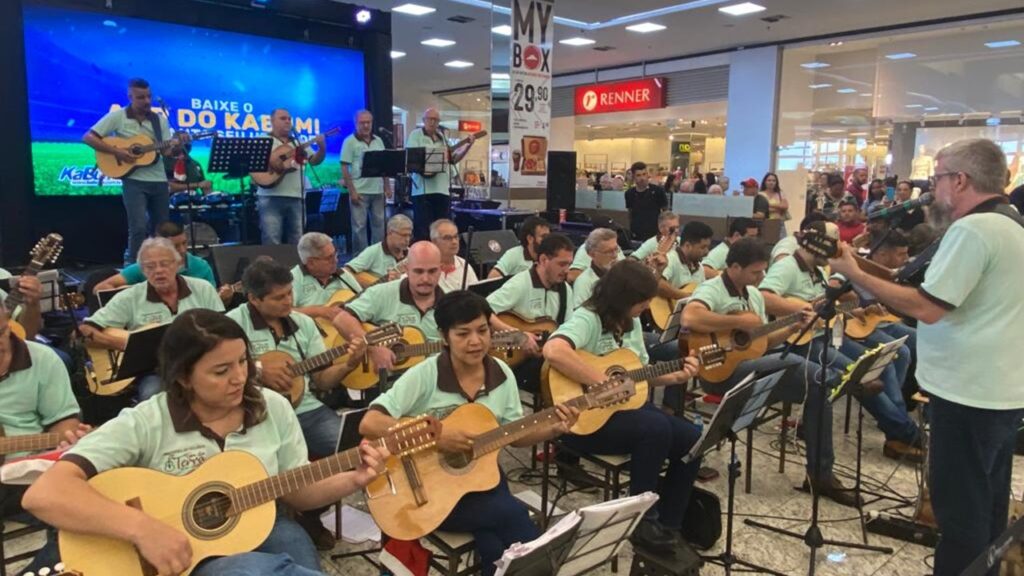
x=455, y=274
x=430, y=196
x=158, y=300
x=971, y=321
x=28, y=313
x=381, y=259
x=318, y=277
x=602, y=246
x=366, y=196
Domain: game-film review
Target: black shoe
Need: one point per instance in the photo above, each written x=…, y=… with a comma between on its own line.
x=834, y=490
x=654, y=537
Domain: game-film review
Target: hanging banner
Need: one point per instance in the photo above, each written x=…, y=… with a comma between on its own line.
x=533, y=29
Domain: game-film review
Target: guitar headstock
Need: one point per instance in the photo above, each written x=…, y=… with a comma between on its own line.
x=612, y=391
x=818, y=243
x=411, y=436
x=710, y=356
x=384, y=334
x=48, y=249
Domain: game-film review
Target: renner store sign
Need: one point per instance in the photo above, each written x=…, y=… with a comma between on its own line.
x=621, y=96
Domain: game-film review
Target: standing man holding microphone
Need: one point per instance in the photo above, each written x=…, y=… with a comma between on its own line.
x=430, y=196
x=366, y=196
x=971, y=323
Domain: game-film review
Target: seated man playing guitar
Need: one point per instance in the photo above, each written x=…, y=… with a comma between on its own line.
x=610, y=320
x=37, y=410
x=464, y=373
x=212, y=406
x=158, y=300
x=379, y=262
x=714, y=262
x=731, y=302
x=581, y=261
x=318, y=277
x=521, y=258
x=28, y=312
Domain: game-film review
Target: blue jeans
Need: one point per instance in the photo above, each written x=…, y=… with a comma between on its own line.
x=372, y=205
x=147, y=386
x=280, y=219
x=146, y=205
x=971, y=455
x=288, y=551
x=496, y=519
x=320, y=428
x=899, y=330
x=798, y=384
x=649, y=436
x=658, y=352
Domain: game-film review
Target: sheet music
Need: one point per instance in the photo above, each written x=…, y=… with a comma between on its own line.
x=604, y=529
x=356, y=526
x=519, y=549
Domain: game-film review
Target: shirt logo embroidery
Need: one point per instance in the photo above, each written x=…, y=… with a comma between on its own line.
x=261, y=347
x=153, y=318
x=183, y=460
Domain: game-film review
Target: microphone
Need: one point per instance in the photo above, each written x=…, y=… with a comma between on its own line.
x=901, y=209
x=163, y=106
x=384, y=131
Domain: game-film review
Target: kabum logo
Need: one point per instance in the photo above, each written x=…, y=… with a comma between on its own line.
x=589, y=100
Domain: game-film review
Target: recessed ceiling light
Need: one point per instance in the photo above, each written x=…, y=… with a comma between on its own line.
x=504, y=30
x=868, y=94
x=914, y=106
x=1002, y=44
x=818, y=86
x=397, y=54
x=414, y=9
x=858, y=133
x=741, y=9
x=438, y=42
x=931, y=108
x=813, y=65
x=846, y=90
x=645, y=27
x=458, y=64
x=836, y=43
x=577, y=41
x=901, y=55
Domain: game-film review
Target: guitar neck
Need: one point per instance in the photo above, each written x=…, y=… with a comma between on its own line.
x=29, y=443
x=318, y=361
x=14, y=298
x=652, y=371
x=267, y=490
x=424, y=349
x=514, y=431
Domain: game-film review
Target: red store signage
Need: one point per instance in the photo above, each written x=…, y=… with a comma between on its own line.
x=621, y=96
x=470, y=126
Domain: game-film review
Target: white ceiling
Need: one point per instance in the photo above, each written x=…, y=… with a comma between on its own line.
x=689, y=31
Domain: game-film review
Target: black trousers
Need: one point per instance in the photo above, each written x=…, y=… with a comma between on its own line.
x=427, y=208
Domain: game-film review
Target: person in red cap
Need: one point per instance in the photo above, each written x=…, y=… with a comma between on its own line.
x=752, y=188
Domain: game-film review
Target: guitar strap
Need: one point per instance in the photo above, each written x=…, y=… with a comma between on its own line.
x=154, y=121
x=563, y=303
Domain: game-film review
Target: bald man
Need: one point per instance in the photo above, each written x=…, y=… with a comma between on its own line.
x=409, y=302
x=430, y=197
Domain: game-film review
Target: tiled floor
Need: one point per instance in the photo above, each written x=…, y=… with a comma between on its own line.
x=773, y=494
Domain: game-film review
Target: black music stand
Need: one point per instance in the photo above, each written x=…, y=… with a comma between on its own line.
x=739, y=409
x=140, y=354
x=547, y=558
x=237, y=157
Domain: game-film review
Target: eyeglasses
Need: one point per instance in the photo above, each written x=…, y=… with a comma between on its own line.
x=944, y=174
x=448, y=238
x=149, y=266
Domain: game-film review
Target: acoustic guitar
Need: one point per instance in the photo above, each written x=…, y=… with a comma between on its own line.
x=419, y=491
x=327, y=329
x=367, y=279
x=27, y=443
x=299, y=370
x=46, y=251
x=799, y=340
x=224, y=507
x=661, y=307
x=142, y=146
x=411, y=348
x=102, y=363
x=542, y=327
x=449, y=149
x=283, y=160
x=622, y=363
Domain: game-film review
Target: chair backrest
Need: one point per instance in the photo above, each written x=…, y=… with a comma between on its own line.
x=488, y=246
x=230, y=261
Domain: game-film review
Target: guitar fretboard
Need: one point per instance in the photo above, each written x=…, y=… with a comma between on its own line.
x=794, y=318
x=29, y=443
x=14, y=298
x=424, y=349
x=319, y=361
x=504, y=435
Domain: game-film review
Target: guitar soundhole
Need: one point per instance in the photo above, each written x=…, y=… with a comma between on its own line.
x=740, y=339
x=455, y=462
x=399, y=349
x=136, y=149
x=208, y=511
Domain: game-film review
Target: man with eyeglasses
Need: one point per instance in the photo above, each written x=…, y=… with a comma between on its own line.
x=382, y=259
x=158, y=300
x=317, y=279
x=430, y=195
x=455, y=275
x=968, y=339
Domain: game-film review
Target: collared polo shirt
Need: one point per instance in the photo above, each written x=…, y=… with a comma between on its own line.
x=308, y=291
x=792, y=277
x=787, y=245
x=716, y=257
x=679, y=274
x=301, y=339
x=721, y=296
x=393, y=302
x=581, y=260
x=583, y=287
x=526, y=295
x=290, y=185
x=352, y=151
x=649, y=247
x=375, y=259
x=514, y=261
x=195, y=267
x=431, y=387
x=970, y=355
x=36, y=392
x=140, y=305
x=117, y=123
x=163, y=434
x=438, y=183
x=585, y=332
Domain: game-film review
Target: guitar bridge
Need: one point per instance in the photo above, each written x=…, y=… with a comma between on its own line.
x=415, y=482
x=389, y=492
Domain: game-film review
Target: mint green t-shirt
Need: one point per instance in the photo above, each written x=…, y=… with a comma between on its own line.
x=195, y=267
x=679, y=274
x=36, y=393
x=649, y=247
x=352, y=151
x=585, y=332
x=164, y=435
x=117, y=123
x=716, y=257
x=525, y=295
x=301, y=340
x=721, y=296
x=374, y=259
x=789, y=277
x=140, y=305
x=583, y=287
x=513, y=261
x=308, y=291
x=393, y=302
x=290, y=186
x=581, y=260
x=787, y=245
x=437, y=148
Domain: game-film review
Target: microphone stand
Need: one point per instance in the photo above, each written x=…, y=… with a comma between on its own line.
x=469, y=252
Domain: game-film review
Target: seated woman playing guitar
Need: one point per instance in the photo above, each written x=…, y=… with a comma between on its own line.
x=212, y=404
x=463, y=373
x=607, y=321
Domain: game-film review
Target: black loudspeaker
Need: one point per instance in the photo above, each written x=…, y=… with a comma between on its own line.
x=562, y=181
x=230, y=261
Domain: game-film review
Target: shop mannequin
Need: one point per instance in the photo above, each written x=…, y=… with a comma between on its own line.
x=923, y=165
